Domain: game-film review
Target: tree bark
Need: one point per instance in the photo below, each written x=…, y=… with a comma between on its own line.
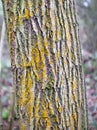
x=46, y=64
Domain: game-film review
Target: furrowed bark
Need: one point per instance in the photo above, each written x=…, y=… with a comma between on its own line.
x=46, y=62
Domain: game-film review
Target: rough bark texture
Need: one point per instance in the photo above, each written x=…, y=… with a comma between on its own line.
x=46, y=63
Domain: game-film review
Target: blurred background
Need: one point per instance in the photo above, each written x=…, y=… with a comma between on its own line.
x=87, y=18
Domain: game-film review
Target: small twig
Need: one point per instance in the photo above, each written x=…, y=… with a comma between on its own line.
x=1, y=47
x=11, y=118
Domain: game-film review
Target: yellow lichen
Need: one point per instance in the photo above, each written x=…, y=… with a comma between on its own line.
x=60, y=109
x=26, y=100
x=44, y=113
x=48, y=124
x=67, y=33
x=75, y=84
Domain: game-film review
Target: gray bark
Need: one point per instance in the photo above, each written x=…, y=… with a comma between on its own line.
x=46, y=63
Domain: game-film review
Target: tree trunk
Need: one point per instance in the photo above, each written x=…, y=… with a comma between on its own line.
x=46, y=64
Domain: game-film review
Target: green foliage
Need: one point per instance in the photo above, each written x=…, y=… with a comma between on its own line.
x=5, y=113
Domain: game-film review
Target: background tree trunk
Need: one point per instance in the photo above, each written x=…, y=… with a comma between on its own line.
x=46, y=64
